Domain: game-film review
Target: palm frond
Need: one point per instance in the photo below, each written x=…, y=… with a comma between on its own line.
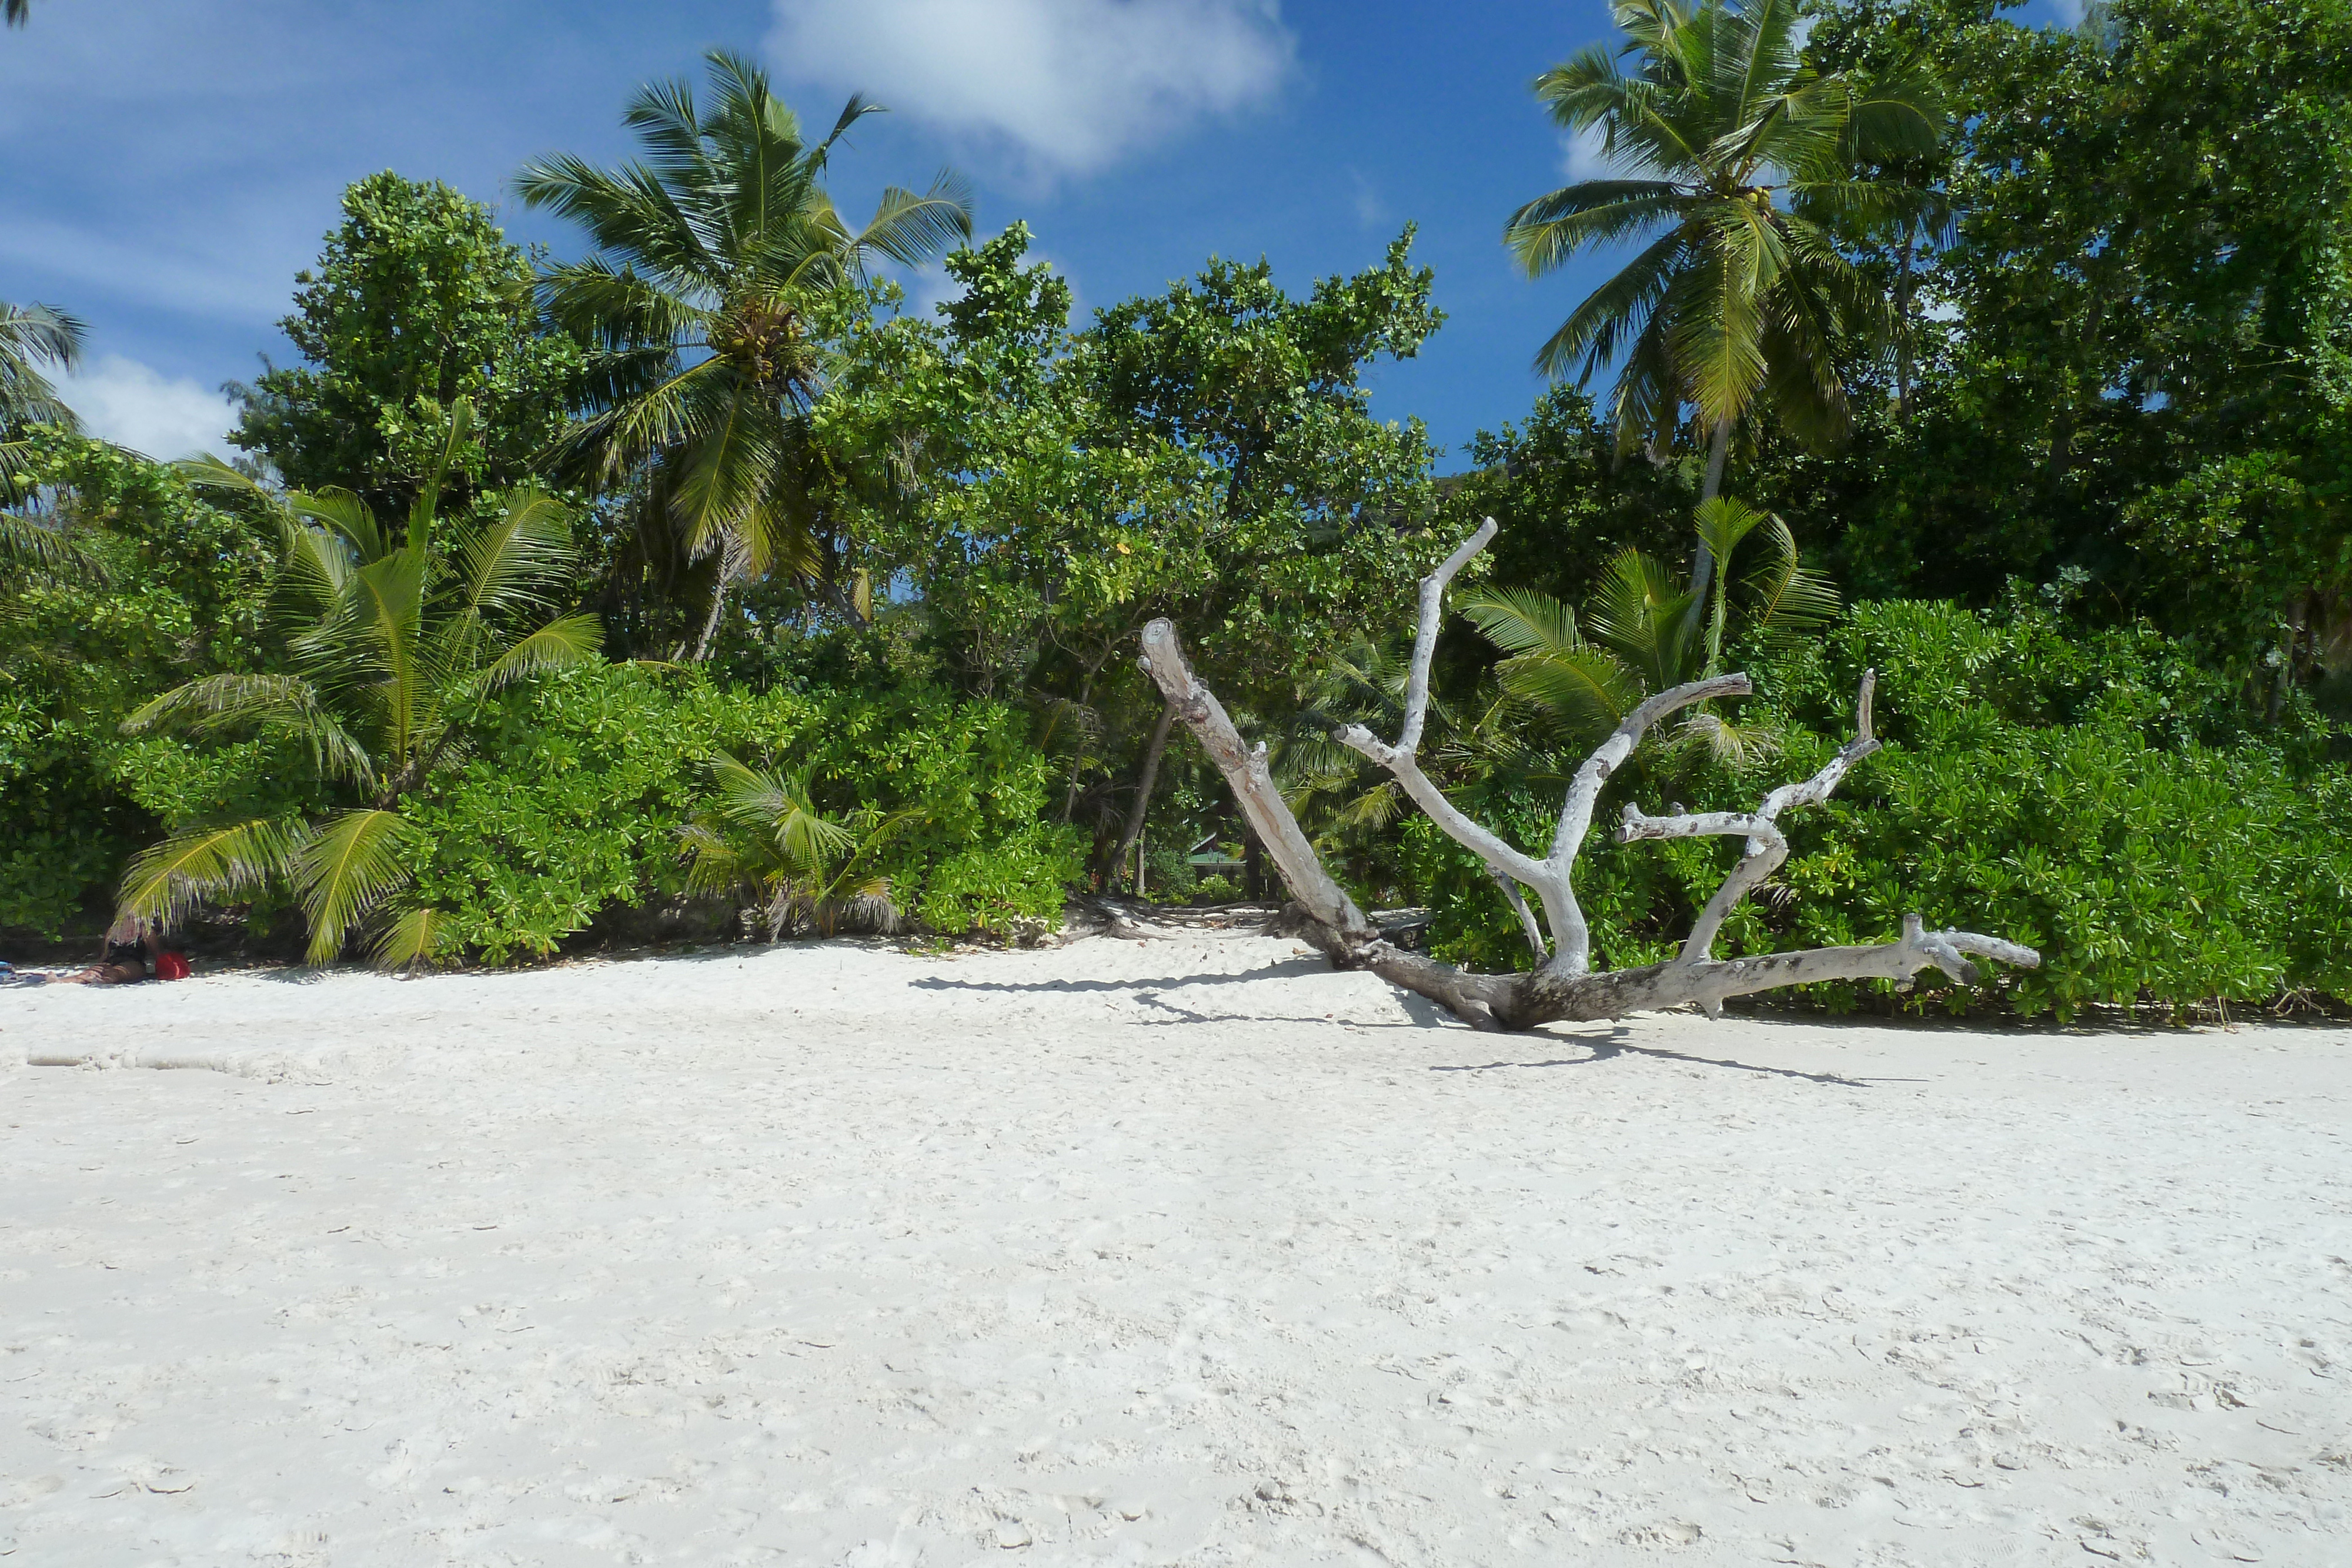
x=1784, y=597
x=1522, y=621
x=520, y=558
x=351, y=863
x=1619, y=310
x=457, y=426
x=32, y=335
x=347, y=517
x=564, y=643
x=415, y=938
x=1583, y=691
x=274, y=704
x=32, y=548
x=1642, y=614
x=911, y=229
x=1547, y=232
x=166, y=883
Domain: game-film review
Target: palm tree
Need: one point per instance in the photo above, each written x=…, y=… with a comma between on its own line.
x=32, y=335
x=16, y=12
x=1740, y=171
x=1643, y=633
x=395, y=644
x=763, y=836
x=696, y=299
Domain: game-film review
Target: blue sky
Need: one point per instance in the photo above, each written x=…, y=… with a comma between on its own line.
x=169, y=164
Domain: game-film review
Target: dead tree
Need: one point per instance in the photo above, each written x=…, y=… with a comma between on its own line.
x=1563, y=985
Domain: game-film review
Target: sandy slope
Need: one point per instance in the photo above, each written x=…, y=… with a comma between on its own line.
x=1186, y=1252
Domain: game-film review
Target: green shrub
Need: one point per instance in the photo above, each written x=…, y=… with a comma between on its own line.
x=1007, y=886
x=181, y=596
x=573, y=802
x=2086, y=797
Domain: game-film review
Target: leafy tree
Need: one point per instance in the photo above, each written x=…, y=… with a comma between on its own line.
x=710, y=257
x=394, y=645
x=418, y=302
x=2140, y=395
x=1740, y=168
x=137, y=584
x=1565, y=505
x=1207, y=453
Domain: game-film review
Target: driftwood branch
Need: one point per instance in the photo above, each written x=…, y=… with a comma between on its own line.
x=1562, y=984
x=1765, y=849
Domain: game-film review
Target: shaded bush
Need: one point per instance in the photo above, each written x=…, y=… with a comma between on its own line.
x=181, y=595
x=2089, y=797
x=573, y=802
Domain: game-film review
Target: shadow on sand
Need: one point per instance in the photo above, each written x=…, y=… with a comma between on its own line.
x=1615, y=1045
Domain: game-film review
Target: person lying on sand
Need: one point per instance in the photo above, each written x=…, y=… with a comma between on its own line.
x=129, y=942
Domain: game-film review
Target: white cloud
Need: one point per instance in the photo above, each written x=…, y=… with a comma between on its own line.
x=135, y=406
x=1580, y=154
x=1070, y=86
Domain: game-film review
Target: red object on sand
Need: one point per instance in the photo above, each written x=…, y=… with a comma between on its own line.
x=171, y=966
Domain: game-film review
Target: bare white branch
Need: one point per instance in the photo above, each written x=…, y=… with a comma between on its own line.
x=1506, y=864
x=1424, y=636
x=1574, y=952
x=1766, y=849
x=1405, y=768
x=1519, y=903
x=1562, y=987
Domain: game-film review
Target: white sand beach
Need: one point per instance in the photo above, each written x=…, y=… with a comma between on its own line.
x=1188, y=1251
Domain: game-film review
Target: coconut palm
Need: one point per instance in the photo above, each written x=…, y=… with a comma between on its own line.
x=395, y=641
x=764, y=837
x=16, y=12
x=709, y=257
x=1642, y=632
x=1738, y=168
x=32, y=335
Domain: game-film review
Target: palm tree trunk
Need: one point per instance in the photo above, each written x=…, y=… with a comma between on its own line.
x=709, y=623
x=1903, y=292
x=1718, y=449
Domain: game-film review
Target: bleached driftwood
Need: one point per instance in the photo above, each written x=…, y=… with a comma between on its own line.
x=1563, y=985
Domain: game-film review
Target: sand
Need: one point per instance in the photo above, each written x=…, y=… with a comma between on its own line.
x=1185, y=1251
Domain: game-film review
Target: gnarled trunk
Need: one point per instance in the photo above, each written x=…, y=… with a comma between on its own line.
x=1563, y=985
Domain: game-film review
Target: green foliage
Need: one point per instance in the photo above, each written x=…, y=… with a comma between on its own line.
x=31, y=335
x=1737, y=167
x=1031, y=497
x=391, y=644
x=2140, y=379
x=2085, y=796
x=168, y=587
x=575, y=798
x=1007, y=888
x=1565, y=505
x=710, y=300
x=418, y=302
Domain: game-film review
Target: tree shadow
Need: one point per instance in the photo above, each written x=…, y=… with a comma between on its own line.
x=1289, y=968
x=1615, y=1045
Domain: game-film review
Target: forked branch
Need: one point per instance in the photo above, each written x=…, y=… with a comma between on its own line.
x=1561, y=985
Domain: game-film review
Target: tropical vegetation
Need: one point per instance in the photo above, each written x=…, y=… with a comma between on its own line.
x=694, y=585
